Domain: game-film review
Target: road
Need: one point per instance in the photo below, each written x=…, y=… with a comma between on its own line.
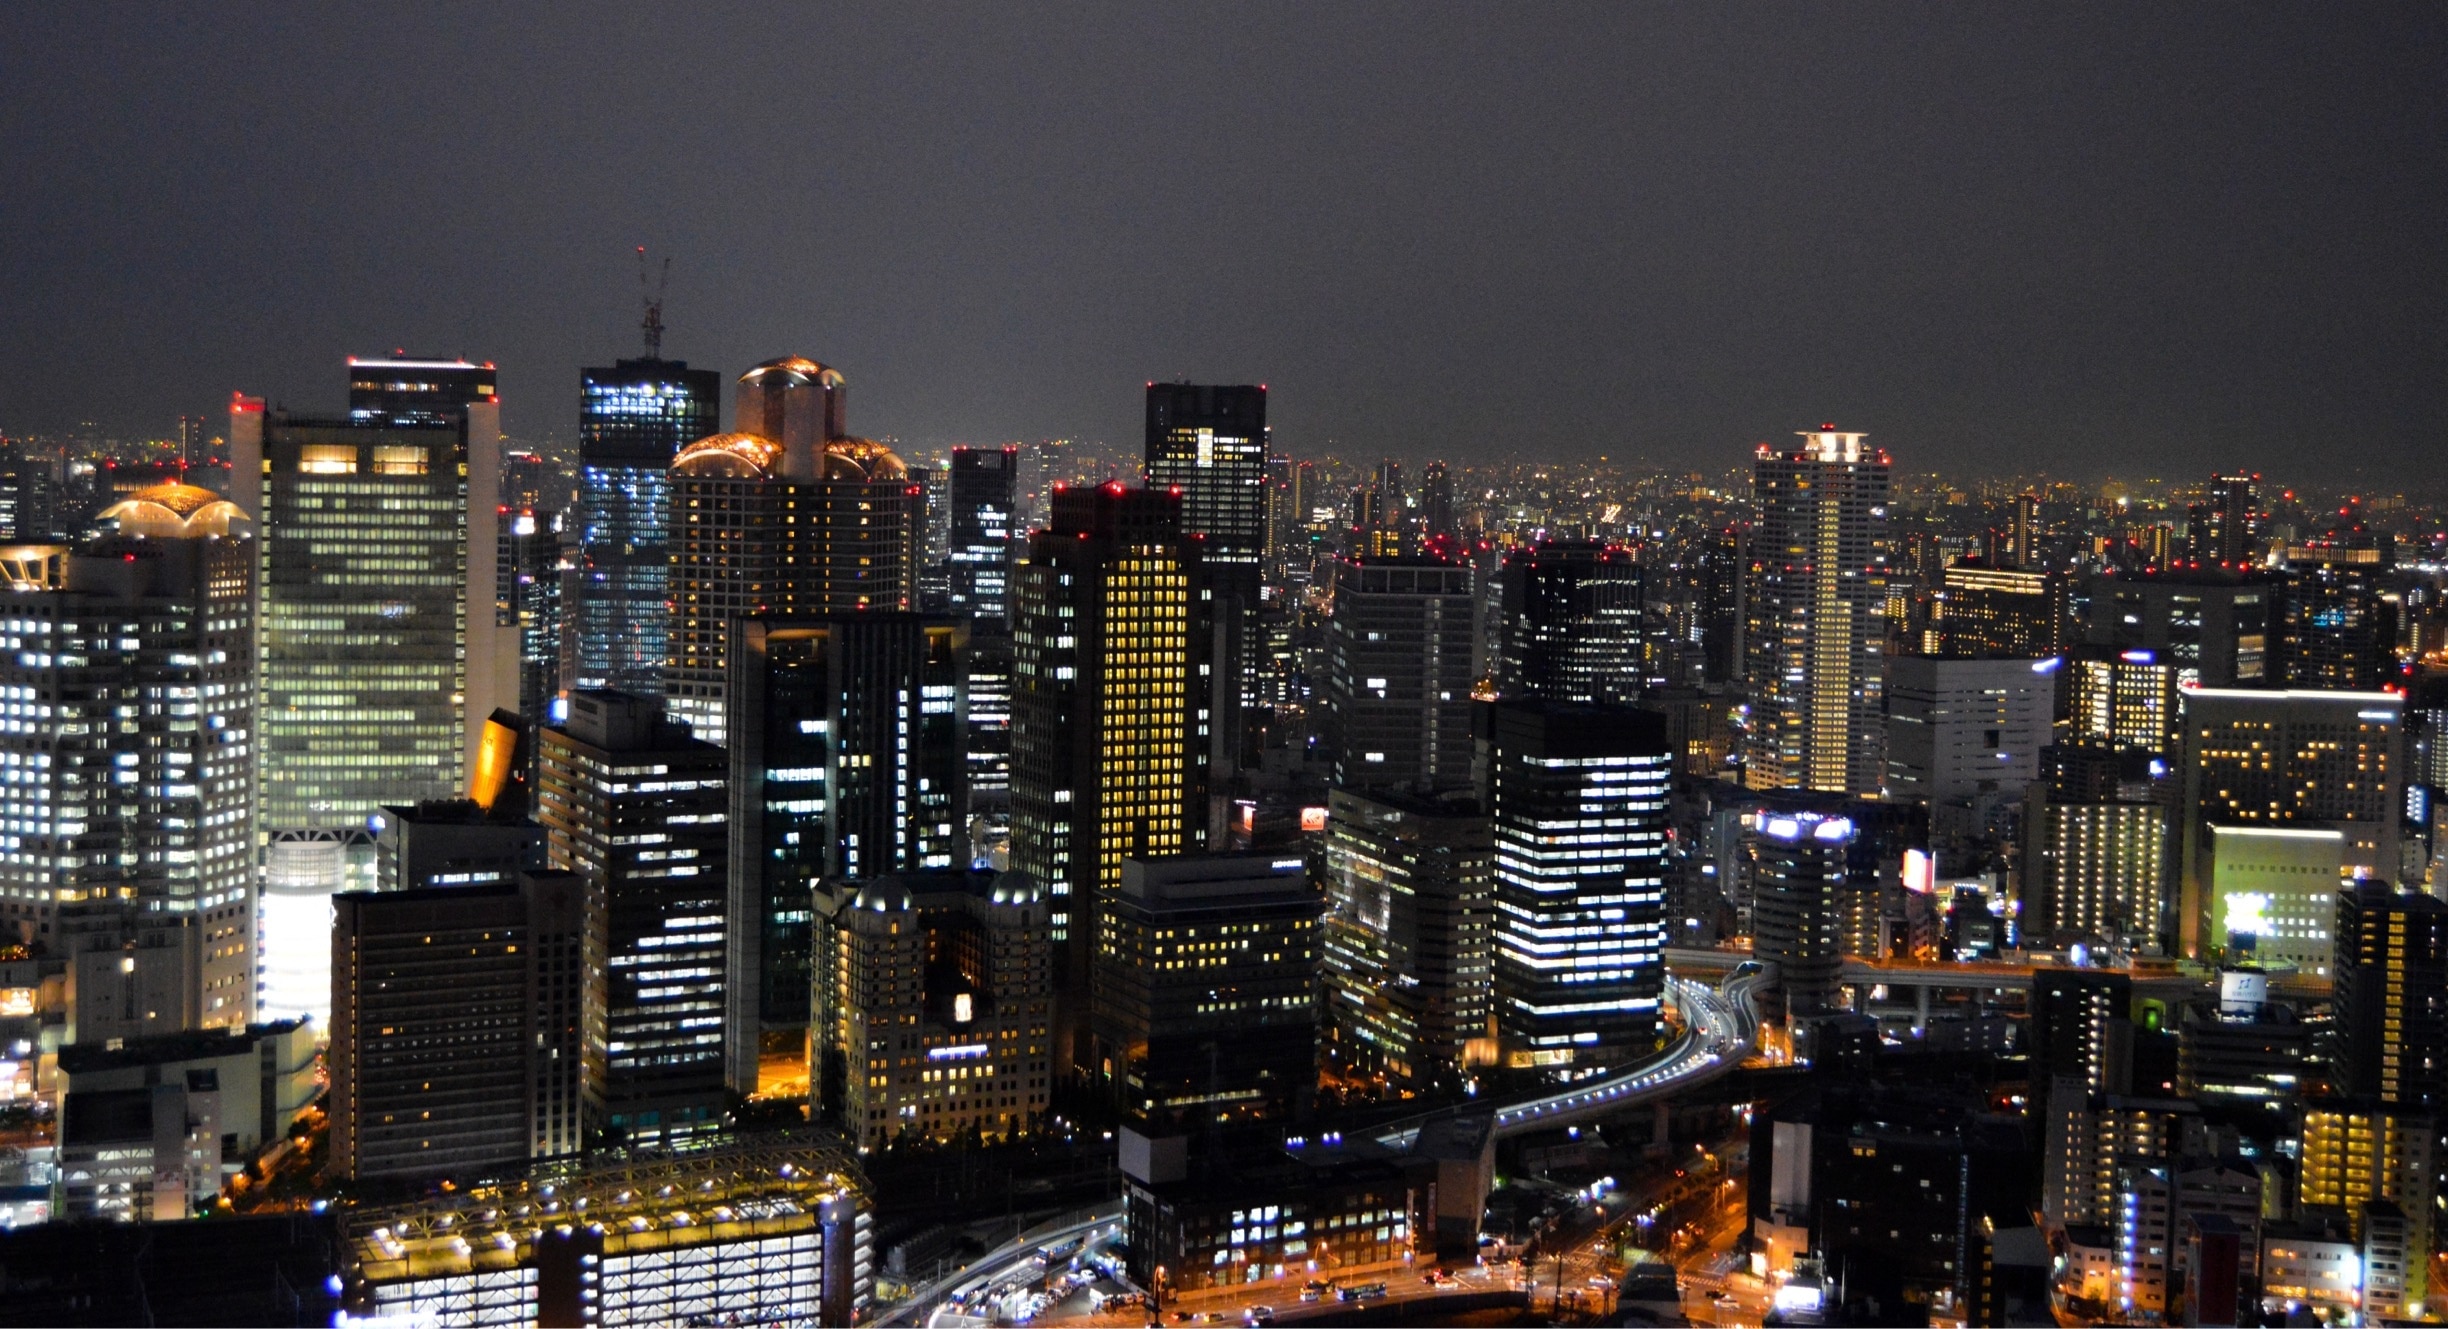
x=1718, y=1030
x=1716, y=1037
x=1001, y=1263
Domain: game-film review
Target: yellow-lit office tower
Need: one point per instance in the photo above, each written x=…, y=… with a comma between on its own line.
x=1815, y=609
x=127, y=678
x=2124, y=700
x=381, y=652
x=1112, y=703
x=787, y=516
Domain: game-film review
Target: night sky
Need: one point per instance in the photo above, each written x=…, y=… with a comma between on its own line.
x=2147, y=239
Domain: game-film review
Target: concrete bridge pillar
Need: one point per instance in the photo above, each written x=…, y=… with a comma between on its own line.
x=1921, y=1011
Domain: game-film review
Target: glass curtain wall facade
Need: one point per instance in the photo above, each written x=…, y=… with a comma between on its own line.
x=1578, y=796
x=633, y=418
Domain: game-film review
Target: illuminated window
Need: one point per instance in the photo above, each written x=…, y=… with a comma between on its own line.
x=327, y=459
x=399, y=459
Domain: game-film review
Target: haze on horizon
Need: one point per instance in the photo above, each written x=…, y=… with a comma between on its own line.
x=2140, y=240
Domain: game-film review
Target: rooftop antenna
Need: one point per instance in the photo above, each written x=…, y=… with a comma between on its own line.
x=652, y=325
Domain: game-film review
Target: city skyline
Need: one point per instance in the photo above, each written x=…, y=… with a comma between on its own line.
x=1332, y=742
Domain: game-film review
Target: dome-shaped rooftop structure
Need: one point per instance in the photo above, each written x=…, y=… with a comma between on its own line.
x=793, y=371
x=884, y=895
x=1016, y=887
x=744, y=455
x=172, y=511
x=861, y=459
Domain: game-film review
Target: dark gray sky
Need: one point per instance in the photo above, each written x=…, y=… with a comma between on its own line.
x=2147, y=238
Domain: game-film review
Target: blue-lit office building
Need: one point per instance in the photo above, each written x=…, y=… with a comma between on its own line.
x=985, y=489
x=632, y=419
x=1578, y=796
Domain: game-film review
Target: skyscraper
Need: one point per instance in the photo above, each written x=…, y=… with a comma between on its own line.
x=1398, y=674
x=1205, y=988
x=1958, y=727
x=787, y=516
x=1578, y=797
x=2226, y=529
x=378, y=588
x=635, y=806
x=953, y=966
x=985, y=530
x=381, y=648
x=131, y=777
x=2124, y=700
x=1979, y=610
x=1571, y=623
x=2336, y=622
x=1797, y=901
x=1815, y=607
x=1111, y=705
x=2094, y=867
x=461, y=1027
x=2211, y=625
x=1410, y=984
x=848, y=757
x=2391, y=981
x=1437, y=504
x=633, y=418
x=1210, y=442
x=2278, y=765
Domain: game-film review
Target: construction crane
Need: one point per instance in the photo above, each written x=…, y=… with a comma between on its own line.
x=653, y=298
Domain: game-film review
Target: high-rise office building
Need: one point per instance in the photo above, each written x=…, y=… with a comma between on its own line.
x=1437, y=503
x=1571, y=623
x=1798, y=893
x=392, y=389
x=847, y=761
x=1815, y=616
x=934, y=1006
x=2124, y=701
x=127, y=671
x=1957, y=727
x=1578, y=797
x=461, y=1027
x=1205, y=988
x=1210, y=443
x=2094, y=867
x=635, y=805
x=1376, y=529
x=1980, y=610
x=2265, y=763
x=2391, y=985
x=1410, y=911
x=2227, y=529
x=2211, y=625
x=984, y=530
x=788, y=516
x=455, y=842
x=1111, y=701
x=633, y=418
x=381, y=648
x=2336, y=623
x=1398, y=674
x=532, y=606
